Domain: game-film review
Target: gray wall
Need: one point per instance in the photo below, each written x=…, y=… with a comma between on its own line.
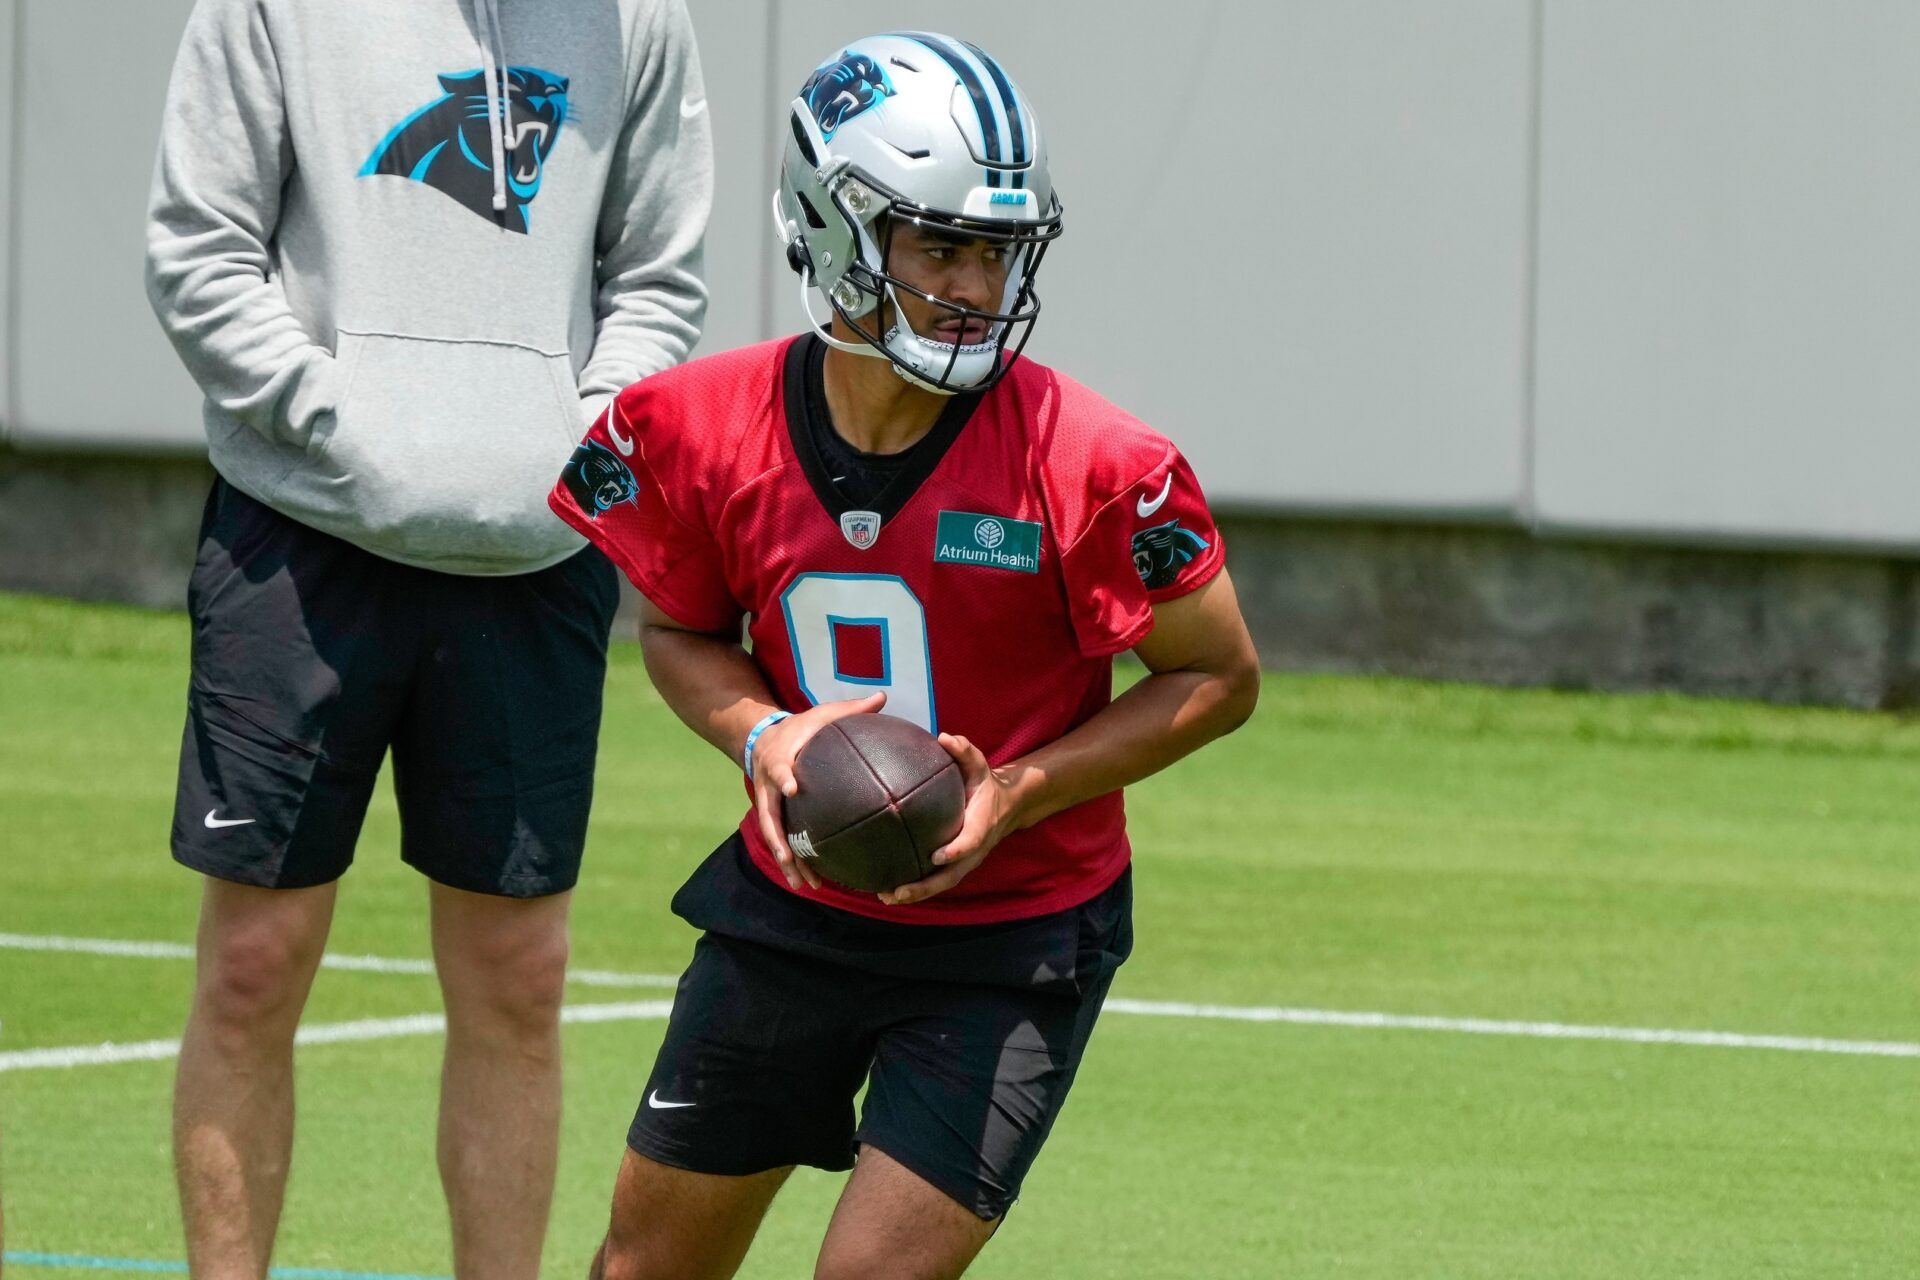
x=8, y=18
x=90, y=368
x=733, y=46
x=1729, y=336
x=1604, y=266
x=1296, y=232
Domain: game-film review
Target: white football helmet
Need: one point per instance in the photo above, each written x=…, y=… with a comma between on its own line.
x=923, y=128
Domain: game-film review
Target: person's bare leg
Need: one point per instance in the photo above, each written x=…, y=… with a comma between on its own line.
x=233, y=1093
x=502, y=965
x=892, y=1224
x=669, y=1224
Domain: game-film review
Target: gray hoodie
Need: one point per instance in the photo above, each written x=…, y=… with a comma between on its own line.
x=404, y=296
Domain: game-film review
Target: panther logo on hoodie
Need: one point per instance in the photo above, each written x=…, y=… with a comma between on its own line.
x=445, y=144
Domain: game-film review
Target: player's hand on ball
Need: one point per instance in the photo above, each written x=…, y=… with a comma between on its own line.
x=773, y=756
x=989, y=817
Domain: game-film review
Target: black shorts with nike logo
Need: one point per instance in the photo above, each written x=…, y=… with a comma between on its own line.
x=967, y=1037
x=312, y=658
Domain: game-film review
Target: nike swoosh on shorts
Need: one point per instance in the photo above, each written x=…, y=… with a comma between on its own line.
x=658, y=1104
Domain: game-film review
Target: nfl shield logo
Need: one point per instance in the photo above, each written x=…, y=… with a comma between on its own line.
x=861, y=527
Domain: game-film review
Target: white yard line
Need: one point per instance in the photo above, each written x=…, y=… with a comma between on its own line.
x=433, y=1024
x=96, y=946
x=1534, y=1030
x=418, y=1024
x=360, y=964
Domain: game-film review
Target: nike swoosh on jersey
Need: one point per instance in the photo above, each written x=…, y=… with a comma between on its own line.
x=623, y=444
x=688, y=110
x=214, y=824
x=1146, y=508
x=654, y=1100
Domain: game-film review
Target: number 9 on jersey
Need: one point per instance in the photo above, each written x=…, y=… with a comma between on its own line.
x=855, y=633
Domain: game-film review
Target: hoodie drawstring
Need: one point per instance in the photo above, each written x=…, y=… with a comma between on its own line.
x=493, y=63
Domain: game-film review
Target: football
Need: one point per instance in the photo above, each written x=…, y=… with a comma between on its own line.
x=877, y=795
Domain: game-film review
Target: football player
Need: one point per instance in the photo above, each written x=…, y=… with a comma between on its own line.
x=909, y=519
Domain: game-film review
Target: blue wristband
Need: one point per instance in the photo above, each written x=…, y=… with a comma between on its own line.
x=753, y=735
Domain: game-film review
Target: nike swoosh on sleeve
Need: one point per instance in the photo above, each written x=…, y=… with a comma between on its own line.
x=688, y=110
x=1146, y=508
x=623, y=443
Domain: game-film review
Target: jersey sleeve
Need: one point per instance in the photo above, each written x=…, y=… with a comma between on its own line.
x=1147, y=540
x=615, y=490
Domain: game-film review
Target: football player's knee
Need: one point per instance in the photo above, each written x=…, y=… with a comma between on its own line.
x=935, y=1246
x=610, y=1263
x=616, y=1264
x=628, y=1261
x=843, y=1259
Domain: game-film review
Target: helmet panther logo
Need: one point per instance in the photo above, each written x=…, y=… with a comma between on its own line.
x=1162, y=551
x=598, y=479
x=840, y=90
x=445, y=145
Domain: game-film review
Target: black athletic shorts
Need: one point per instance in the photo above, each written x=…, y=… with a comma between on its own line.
x=967, y=1037
x=313, y=658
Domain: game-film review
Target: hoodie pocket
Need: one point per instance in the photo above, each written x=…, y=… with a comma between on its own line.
x=441, y=454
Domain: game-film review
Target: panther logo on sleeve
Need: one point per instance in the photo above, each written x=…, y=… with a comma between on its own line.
x=445, y=145
x=1163, y=550
x=598, y=479
x=841, y=90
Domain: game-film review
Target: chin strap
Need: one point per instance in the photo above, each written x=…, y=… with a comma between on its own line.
x=867, y=348
x=821, y=328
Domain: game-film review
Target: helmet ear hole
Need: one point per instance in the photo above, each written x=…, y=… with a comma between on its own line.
x=801, y=139
x=814, y=219
x=799, y=259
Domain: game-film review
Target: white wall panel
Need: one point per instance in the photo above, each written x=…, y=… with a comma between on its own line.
x=734, y=36
x=93, y=367
x=1729, y=339
x=1296, y=231
x=9, y=94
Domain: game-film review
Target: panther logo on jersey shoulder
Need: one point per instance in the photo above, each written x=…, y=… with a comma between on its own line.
x=598, y=479
x=445, y=145
x=1162, y=551
x=840, y=90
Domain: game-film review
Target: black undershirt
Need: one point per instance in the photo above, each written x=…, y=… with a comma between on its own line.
x=858, y=477
x=845, y=478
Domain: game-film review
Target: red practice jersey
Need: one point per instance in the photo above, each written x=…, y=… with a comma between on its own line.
x=987, y=595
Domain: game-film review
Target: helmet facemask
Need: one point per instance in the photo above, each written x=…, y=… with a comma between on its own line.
x=867, y=289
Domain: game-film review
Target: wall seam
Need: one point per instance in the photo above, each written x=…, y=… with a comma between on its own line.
x=10, y=181
x=770, y=164
x=1528, y=504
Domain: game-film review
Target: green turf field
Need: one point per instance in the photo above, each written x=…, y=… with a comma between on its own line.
x=1363, y=845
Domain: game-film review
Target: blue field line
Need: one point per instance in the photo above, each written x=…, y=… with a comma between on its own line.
x=84, y=1262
